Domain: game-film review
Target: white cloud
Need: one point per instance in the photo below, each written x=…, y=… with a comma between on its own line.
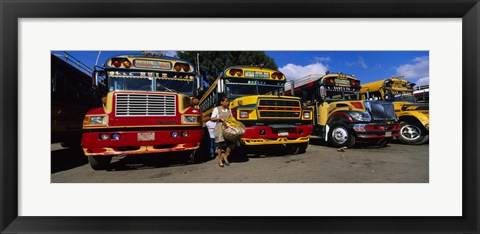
x=415, y=70
x=322, y=59
x=360, y=62
x=423, y=81
x=293, y=72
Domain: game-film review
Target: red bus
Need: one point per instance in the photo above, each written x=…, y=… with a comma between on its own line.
x=150, y=107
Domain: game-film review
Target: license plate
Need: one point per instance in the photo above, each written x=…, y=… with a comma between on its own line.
x=388, y=134
x=147, y=136
x=282, y=133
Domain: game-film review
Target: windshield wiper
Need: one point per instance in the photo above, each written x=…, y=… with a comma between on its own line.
x=167, y=89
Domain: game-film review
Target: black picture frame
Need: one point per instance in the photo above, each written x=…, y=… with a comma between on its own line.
x=11, y=11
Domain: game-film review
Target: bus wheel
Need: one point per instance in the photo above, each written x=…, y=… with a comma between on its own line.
x=299, y=148
x=340, y=136
x=99, y=162
x=192, y=157
x=241, y=151
x=384, y=142
x=411, y=133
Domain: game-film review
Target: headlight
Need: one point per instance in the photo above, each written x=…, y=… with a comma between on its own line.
x=361, y=116
x=96, y=120
x=243, y=114
x=306, y=115
x=189, y=119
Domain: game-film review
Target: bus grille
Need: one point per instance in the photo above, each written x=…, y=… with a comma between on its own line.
x=273, y=105
x=270, y=114
x=279, y=103
x=145, y=105
x=382, y=110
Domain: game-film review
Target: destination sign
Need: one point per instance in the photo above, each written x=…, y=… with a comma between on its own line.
x=257, y=74
x=119, y=74
x=152, y=64
x=341, y=89
x=342, y=82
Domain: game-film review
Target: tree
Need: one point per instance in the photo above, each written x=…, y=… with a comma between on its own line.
x=213, y=63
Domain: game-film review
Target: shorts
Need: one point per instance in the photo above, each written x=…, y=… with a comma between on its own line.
x=224, y=144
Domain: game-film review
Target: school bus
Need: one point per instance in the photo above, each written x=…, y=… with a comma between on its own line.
x=422, y=94
x=257, y=100
x=149, y=108
x=340, y=117
x=413, y=116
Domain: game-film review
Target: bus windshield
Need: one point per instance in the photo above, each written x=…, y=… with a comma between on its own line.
x=145, y=84
x=342, y=93
x=243, y=87
x=403, y=97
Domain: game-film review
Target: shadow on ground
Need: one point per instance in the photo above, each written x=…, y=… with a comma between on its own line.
x=67, y=158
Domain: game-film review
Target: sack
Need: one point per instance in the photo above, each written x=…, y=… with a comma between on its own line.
x=232, y=129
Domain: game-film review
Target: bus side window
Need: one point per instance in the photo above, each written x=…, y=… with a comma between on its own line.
x=72, y=88
x=375, y=96
x=58, y=83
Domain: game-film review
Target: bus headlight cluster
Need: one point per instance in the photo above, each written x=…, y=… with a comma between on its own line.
x=361, y=116
x=306, y=115
x=243, y=114
x=96, y=120
x=189, y=119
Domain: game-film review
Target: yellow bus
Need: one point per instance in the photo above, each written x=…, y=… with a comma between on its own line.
x=414, y=117
x=257, y=100
x=340, y=117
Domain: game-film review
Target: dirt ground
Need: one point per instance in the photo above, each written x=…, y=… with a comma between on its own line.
x=396, y=163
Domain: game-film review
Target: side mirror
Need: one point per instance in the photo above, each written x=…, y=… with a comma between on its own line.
x=95, y=78
x=292, y=87
x=323, y=92
x=199, y=79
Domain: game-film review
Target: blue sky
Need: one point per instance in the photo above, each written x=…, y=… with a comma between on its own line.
x=367, y=66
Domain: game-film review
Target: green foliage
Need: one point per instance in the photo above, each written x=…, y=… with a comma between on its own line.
x=213, y=63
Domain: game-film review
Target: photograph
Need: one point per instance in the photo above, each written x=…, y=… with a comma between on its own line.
x=239, y=116
x=275, y=116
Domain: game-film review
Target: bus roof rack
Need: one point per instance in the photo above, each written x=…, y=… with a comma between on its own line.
x=306, y=79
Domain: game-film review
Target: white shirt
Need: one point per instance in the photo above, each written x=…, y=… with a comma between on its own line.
x=215, y=112
x=211, y=128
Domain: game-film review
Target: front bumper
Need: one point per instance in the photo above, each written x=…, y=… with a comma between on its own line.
x=375, y=130
x=129, y=142
x=266, y=135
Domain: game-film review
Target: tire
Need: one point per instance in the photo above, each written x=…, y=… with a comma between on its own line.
x=412, y=133
x=384, y=142
x=299, y=148
x=340, y=136
x=196, y=156
x=241, y=151
x=99, y=162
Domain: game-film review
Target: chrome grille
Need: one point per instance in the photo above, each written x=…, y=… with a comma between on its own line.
x=278, y=103
x=145, y=105
x=270, y=114
x=381, y=110
x=275, y=104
